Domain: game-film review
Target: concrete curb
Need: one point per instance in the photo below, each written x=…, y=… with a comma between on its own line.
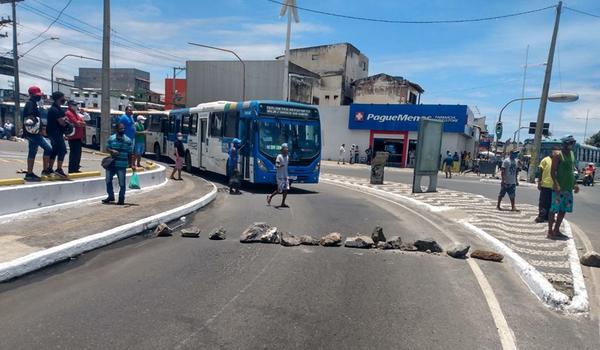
x=37, y=260
x=536, y=282
x=48, y=193
x=24, y=214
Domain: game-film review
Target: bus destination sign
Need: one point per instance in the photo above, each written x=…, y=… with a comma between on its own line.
x=286, y=111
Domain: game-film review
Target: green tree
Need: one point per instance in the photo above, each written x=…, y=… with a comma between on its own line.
x=594, y=140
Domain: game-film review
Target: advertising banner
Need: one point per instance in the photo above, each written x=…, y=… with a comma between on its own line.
x=406, y=117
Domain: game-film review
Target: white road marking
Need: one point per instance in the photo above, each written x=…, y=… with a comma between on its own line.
x=505, y=334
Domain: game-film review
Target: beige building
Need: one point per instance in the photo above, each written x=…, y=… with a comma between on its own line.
x=338, y=66
x=383, y=88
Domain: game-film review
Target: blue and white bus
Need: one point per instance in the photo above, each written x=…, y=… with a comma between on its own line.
x=262, y=126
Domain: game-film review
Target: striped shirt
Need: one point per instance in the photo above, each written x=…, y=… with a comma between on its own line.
x=123, y=145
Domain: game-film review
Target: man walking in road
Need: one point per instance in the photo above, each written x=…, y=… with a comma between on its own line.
x=55, y=131
x=564, y=185
x=232, y=167
x=342, y=154
x=283, y=184
x=545, y=185
x=448, y=162
x=32, y=129
x=76, y=140
x=140, y=139
x=508, y=184
x=119, y=146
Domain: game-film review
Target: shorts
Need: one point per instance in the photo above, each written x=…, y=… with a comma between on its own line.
x=139, y=148
x=36, y=141
x=448, y=168
x=283, y=185
x=562, y=202
x=508, y=189
x=59, y=147
x=179, y=163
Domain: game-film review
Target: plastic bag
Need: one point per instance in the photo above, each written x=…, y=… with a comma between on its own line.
x=134, y=182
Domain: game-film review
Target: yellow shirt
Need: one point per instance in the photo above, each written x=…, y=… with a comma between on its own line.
x=546, y=167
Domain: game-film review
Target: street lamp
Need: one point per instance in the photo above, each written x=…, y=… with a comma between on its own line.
x=561, y=97
x=65, y=56
x=516, y=131
x=238, y=57
x=38, y=44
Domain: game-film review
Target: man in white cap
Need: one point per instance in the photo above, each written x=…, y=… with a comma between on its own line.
x=140, y=139
x=283, y=184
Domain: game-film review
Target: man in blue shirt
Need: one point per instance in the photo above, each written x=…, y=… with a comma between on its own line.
x=129, y=123
x=119, y=146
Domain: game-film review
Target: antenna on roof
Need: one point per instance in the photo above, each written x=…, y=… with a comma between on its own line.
x=292, y=11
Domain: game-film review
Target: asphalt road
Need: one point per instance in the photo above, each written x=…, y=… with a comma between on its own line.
x=586, y=209
x=178, y=293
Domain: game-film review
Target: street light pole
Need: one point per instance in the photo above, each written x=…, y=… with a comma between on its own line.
x=587, y=118
x=238, y=57
x=105, y=122
x=517, y=131
x=17, y=96
x=537, y=140
x=523, y=90
x=65, y=56
x=38, y=44
x=174, y=94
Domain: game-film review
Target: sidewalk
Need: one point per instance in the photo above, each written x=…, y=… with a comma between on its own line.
x=555, y=261
x=37, y=232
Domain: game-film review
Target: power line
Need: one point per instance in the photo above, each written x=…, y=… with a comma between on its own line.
x=51, y=24
x=467, y=20
x=582, y=12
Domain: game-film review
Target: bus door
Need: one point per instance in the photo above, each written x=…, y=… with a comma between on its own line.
x=203, y=150
x=246, y=136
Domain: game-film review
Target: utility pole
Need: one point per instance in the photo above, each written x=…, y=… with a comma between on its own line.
x=537, y=140
x=17, y=96
x=522, y=94
x=174, y=97
x=105, y=122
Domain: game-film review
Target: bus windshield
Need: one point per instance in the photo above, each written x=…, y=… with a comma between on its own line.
x=303, y=138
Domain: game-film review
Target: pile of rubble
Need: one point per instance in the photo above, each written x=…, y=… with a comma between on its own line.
x=261, y=232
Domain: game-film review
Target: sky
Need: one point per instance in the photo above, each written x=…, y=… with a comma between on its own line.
x=479, y=64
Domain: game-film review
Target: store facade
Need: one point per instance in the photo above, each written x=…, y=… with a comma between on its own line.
x=394, y=129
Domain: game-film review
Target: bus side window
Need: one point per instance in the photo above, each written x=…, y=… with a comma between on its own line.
x=194, y=124
x=231, y=124
x=185, y=124
x=216, y=124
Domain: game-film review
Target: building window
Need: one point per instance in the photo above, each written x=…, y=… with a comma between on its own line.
x=315, y=57
x=363, y=65
x=95, y=105
x=335, y=97
x=327, y=97
x=315, y=100
x=412, y=98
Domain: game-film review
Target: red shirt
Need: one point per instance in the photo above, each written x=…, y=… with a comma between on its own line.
x=75, y=119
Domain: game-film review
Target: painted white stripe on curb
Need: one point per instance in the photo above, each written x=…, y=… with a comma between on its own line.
x=536, y=282
x=580, y=302
x=37, y=260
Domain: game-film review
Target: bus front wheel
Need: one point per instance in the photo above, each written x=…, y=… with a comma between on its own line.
x=157, y=153
x=188, y=162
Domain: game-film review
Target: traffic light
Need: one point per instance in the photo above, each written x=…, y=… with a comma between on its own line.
x=499, y=130
x=545, y=131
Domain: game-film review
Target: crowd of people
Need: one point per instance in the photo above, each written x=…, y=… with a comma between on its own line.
x=125, y=146
x=354, y=155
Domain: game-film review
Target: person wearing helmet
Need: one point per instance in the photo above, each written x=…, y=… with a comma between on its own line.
x=32, y=131
x=232, y=166
x=564, y=185
x=283, y=183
